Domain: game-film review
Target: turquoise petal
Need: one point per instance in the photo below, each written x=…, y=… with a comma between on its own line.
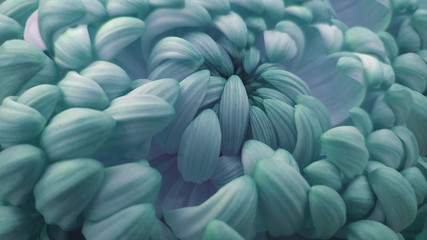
x=318, y=108
x=345, y=148
x=80, y=91
x=76, y=132
x=399, y=99
x=116, y=34
x=73, y=48
x=285, y=82
x=273, y=9
x=368, y=229
x=282, y=196
x=299, y=13
x=167, y=89
x=228, y=169
x=9, y=29
x=233, y=27
x=262, y=128
x=251, y=59
x=160, y=231
x=382, y=115
x=390, y=45
x=111, y=78
x=15, y=223
x=286, y=157
x=385, y=147
x=254, y=6
x=376, y=73
x=410, y=146
x=193, y=90
x=176, y=49
x=207, y=48
x=234, y=204
x=233, y=115
x=218, y=230
x=127, y=7
x=174, y=69
x=361, y=120
x=376, y=14
x=270, y=93
x=214, y=92
x=417, y=119
x=198, y=152
x=166, y=3
x=327, y=213
x=20, y=168
x=123, y=186
x=215, y=6
x=363, y=40
x=279, y=46
x=19, y=10
x=323, y=172
x=134, y=222
x=418, y=22
x=411, y=71
x=253, y=151
x=42, y=98
x=417, y=181
x=359, y=198
x=66, y=188
x=282, y=118
x=396, y=197
x=19, y=123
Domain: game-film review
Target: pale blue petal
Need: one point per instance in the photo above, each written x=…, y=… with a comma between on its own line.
x=19, y=10
x=166, y=3
x=411, y=71
x=214, y=92
x=362, y=40
x=381, y=114
x=16, y=223
x=407, y=38
x=270, y=93
x=207, y=48
x=32, y=32
x=361, y=120
x=279, y=46
x=234, y=28
x=417, y=181
x=273, y=9
x=233, y=115
x=174, y=69
x=318, y=108
x=251, y=59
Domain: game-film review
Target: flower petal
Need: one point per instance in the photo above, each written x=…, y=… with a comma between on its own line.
x=282, y=196
x=198, y=152
x=417, y=181
x=400, y=101
x=16, y=223
x=234, y=204
x=361, y=120
x=66, y=188
x=385, y=147
x=76, y=132
x=286, y=157
x=43, y=98
x=167, y=89
x=279, y=46
x=116, y=34
x=363, y=40
x=9, y=29
x=323, y=172
x=233, y=27
x=411, y=71
x=19, y=10
x=215, y=6
x=410, y=146
x=73, y=48
x=207, y=47
x=193, y=90
x=166, y=3
x=32, y=31
x=359, y=198
x=261, y=127
x=217, y=230
x=407, y=38
x=389, y=43
x=20, y=168
x=228, y=169
x=345, y=148
x=127, y=7
x=253, y=151
x=215, y=90
x=368, y=229
x=251, y=59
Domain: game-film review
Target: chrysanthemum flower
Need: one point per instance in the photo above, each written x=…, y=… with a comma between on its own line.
x=213, y=119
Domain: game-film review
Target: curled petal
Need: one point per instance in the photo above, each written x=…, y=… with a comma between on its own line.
x=76, y=132
x=396, y=197
x=359, y=198
x=385, y=147
x=282, y=196
x=323, y=172
x=166, y=3
x=418, y=21
x=32, y=31
x=285, y=82
x=411, y=71
x=116, y=34
x=410, y=146
x=262, y=128
x=251, y=59
x=167, y=89
x=133, y=222
x=362, y=40
x=127, y=7
x=73, y=48
x=123, y=186
x=233, y=115
x=16, y=223
x=20, y=168
x=318, y=108
x=234, y=28
x=381, y=114
x=345, y=148
x=279, y=46
x=207, y=47
x=215, y=6
x=217, y=230
x=407, y=38
x=286, y=157
x=43, y=98
x=417, y=181
x=228, y=169
x=400, y=101
x=19, y=10
x=389, y=43
x=215, y=90
x=361, y=120
x=9, y=29
x=368, y=229
x=198, y=152
x=110, y=77
x=66, y=188
x=417, y=119
x=234, y=204
x=254, y=6
x=253, y=151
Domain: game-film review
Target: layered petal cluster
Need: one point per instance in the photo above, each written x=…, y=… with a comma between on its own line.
x=213, y=119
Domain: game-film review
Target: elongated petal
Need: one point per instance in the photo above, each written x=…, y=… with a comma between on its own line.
x=198, y=153
x=123, y=186
x=215, y=90
x=234, y=28
x=323, y=172
x=253, y=151
x=76, y=132
x=42, y=98
x=282, y=196
x=110, y=77
x=282, y=118
x=418, y=20
x=279, y=46
x=233, y=115
x=16, y=223
x=174, y=69
x=234, y=204
x=164, y=19
x=377, y=14
x=262, y=128
x=377, y=74
x=327, y=211
x=19, y=122
x=273, y=9
x=417, y=181
x=19, y=10
x=228, y=169
x=32, y=31
x=362, y=40
x=20, y=168
x=174, y=48
x=168, y=89
x=127, y=7
x=66, y=188
x=361, y=120
x=411, y=71
x=133, y=222
x=417, y=120
x=270, y=93
x=215, y=6
x=251, y=59
x=73, y=48
x=166, y=3
x=389, y=43
x=400, y=101
x=79, y=91
x=384, y=146
x=116, y=34
x=381, y=114
x=345, y=148
x=286, y=157
x=285, y=82
x=410, y=146
x=217, y=230
x=368, y=229
x=9, y=29
x=395, y=195
x=193, y=90
x=318, y=108
x=359, y=198
x=207, y=47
